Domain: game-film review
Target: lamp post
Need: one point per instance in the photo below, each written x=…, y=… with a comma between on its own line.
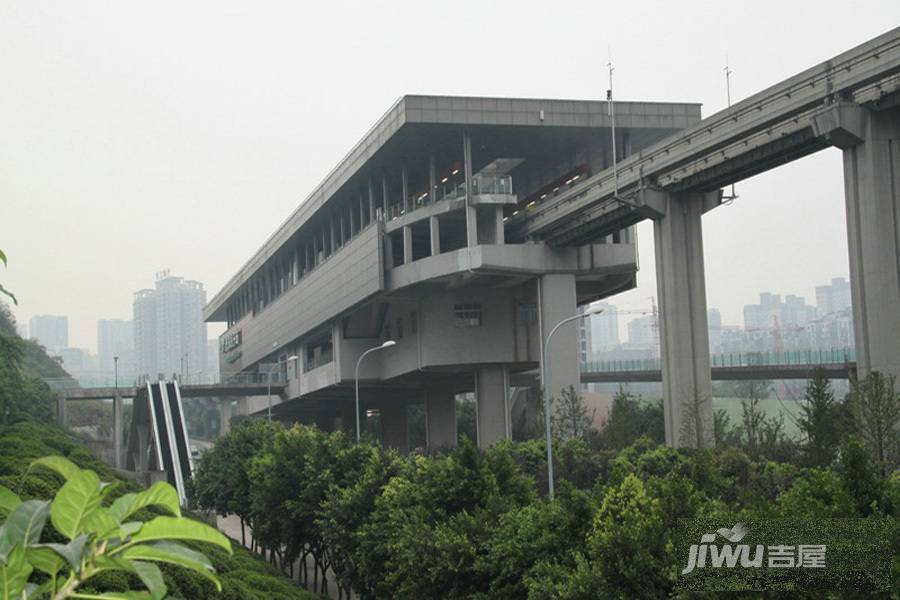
x=387, y=344
x=269, y=385
x=546, y=395
x=117, y=416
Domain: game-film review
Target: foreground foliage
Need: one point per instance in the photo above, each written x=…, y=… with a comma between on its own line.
x=96, y=538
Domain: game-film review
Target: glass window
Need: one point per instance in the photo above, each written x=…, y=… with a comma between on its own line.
x=467, y=315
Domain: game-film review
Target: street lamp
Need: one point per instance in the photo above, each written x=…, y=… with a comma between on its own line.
x=546, y=395
x=387, y=344
x=269, y=386
x=117, y=416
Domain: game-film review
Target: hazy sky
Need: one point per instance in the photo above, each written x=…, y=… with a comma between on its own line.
x=138, y=136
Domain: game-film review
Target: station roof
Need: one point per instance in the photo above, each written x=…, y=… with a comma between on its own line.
x=416, y=116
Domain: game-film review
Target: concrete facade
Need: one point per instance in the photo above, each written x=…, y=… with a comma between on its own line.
x=406, y=240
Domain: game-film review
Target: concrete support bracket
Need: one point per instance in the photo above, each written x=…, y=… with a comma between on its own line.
x=842, y=124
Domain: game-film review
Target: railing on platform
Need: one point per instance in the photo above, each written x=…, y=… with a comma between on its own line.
x=812, y=357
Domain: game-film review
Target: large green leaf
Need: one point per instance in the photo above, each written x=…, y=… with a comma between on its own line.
x=59, y=464
x=179, y=528
x=2, y=257
x=174, y=554
x=76, y=499
x=45, y=560
x=151, y=577
x=8, y=501
x=161, y=495
x=71, y=552
x=26, y=522
x=14, y=574
x=100, y=522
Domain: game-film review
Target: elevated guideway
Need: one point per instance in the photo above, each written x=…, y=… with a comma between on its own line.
x=766, y=130
x=851, y=101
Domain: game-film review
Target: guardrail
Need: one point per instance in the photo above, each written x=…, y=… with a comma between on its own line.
x=811, y=358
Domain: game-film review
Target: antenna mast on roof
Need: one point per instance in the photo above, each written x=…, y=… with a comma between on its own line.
x=612, y=121
x=729, y=199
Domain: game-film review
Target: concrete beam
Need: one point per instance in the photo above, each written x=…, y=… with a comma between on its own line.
x=394, y=432
x=683, y=333
x=556, y=293
x=492, y=406
x=407, y=245
x=872, y=191
x=440, y=419
x=434, y=227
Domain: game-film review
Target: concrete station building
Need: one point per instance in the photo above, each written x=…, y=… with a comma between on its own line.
x=405, y=240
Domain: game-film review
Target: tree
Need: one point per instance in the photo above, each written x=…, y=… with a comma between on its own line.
x=221, y=479
x=875, y=406
x=820, y=421
x=628, y=545
x=631, y=418
x=570, y=418
x=94, y=538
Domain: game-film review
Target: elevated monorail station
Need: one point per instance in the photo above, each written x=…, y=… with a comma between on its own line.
x=409, y=240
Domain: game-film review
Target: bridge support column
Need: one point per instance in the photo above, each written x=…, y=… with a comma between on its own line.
x=871, y=145
x=440, y=419
x=61, y=409
x=394, y=433
x=225, y=412
x=683, y=329
x=492, y=406
x=556, y=301
x=118, y=427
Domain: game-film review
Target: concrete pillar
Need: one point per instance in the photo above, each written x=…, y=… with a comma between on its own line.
x=492, y=406
x=371, y=200
x=407, y=245
x=556, y=293
x=384, y=195
x=394, y=432
x=440, y=419
x=118, y=428
x=404, y=188
x=500, y=235
x=362, y=212
x=225, y=412
x=388, y=251
x=333, y=236
x=61, y=409
x=434, y=226
x=432, y=179
x=871, y=145
x=683, y=330
x=471, y=211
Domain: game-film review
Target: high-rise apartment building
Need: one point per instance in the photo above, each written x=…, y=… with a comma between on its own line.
x=833, y=298
x=115, y=338
x=51, y=331
x=605, y=328
x=169, y=331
